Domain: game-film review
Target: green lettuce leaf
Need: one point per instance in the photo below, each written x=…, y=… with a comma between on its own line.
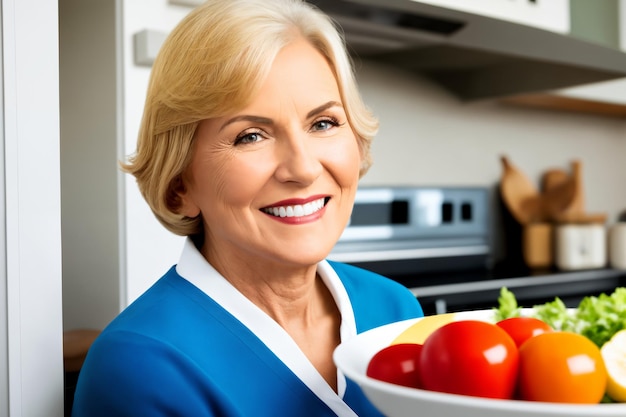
x=597, y=318
x=602, y=316
x=507, y=305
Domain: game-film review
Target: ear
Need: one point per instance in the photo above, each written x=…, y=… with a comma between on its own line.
x=183, y=198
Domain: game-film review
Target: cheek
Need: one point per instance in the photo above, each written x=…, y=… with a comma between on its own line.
x=345, y=161
x=232, y=183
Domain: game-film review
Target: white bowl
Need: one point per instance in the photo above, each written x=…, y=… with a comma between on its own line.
x=353, y=356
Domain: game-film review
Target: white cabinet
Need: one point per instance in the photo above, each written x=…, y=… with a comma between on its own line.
x=545, y=14
x=31, y=342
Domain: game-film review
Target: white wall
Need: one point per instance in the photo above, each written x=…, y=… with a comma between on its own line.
x=427, y=137
x=150, y=249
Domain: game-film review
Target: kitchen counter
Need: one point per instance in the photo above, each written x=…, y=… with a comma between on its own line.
x=476, y=289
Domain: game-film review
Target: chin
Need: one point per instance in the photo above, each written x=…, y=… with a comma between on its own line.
x=305, y=258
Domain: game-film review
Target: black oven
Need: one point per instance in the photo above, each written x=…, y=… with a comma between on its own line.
x=396, y=230
x=438, y=242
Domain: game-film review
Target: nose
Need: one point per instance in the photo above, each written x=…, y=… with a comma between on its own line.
x=298, y=159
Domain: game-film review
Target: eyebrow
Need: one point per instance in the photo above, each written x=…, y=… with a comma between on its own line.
x=267, y=121
x=248, y=118
x=323, y=107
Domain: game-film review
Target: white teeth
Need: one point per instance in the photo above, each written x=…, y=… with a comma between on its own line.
x=297, y=210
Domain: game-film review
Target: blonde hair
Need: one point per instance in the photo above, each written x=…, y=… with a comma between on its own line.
x=211, y=64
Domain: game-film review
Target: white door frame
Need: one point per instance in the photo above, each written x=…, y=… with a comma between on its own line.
x=32, y=235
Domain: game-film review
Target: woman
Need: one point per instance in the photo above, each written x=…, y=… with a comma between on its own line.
x=252, y=144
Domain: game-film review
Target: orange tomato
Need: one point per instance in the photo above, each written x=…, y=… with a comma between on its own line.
x=561, y=367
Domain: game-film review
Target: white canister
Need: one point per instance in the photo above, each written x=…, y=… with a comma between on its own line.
x=580, y=246
x=617, y=246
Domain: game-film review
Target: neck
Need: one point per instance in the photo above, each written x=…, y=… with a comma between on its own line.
x=287, y=293
x=298, y=300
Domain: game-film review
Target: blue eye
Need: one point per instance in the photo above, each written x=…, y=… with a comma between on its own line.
x=249, y=137
x=325, y=124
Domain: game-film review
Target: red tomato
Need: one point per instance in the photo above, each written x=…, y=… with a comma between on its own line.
x=522, y=328
x=561, y=367
x=397, y=364
x=470, y=357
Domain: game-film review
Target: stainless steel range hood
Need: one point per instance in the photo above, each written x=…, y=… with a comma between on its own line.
x=474, y=57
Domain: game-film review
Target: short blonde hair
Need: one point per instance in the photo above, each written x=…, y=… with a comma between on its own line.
x=211, y=64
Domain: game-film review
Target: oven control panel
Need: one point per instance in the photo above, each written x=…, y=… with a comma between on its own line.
x=395, y=223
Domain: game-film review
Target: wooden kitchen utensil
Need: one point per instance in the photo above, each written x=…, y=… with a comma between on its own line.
x=562, y=193
x=538, y=245
x=563, y=197
x=553, y=178
x=520, y=196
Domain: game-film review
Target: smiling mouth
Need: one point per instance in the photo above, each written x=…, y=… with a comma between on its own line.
x=299, y=210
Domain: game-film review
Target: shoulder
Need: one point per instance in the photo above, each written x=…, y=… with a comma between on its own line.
x=156, y=310
x=126, y=374
x=376, y=300
x=145, y=355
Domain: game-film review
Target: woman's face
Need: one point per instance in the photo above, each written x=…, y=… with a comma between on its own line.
x=275, y=182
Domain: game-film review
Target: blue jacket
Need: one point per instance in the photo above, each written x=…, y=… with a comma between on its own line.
x=176, y=352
